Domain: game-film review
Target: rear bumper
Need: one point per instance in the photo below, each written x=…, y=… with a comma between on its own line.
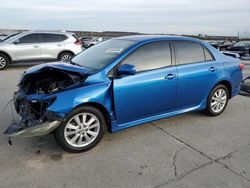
x=38, y=130
x=235, y=92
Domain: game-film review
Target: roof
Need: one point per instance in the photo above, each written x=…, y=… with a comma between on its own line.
x=48, y=31
x=144, y=38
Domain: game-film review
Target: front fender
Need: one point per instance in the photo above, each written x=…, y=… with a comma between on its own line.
x=98, y=93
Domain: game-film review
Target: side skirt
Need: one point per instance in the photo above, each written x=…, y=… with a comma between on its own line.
x=117, y=127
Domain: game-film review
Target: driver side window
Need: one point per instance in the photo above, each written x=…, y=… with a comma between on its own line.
x=150, y=56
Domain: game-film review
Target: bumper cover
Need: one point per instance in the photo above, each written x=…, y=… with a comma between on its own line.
x=38, y=130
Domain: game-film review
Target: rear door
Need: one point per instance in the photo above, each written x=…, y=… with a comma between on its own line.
x=197, y=72
x=28, y=47
x=152, y=90
x=52, y=44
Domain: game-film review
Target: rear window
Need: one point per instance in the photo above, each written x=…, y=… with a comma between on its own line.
x=208, y=55
x=53, y=37
x=188, y=52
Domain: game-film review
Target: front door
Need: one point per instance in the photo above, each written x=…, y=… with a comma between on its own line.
x=28, y=48
x=152, y=90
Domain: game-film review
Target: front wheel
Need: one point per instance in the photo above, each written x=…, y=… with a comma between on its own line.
x=82, y=129
x=4, y=61
x=217, y=100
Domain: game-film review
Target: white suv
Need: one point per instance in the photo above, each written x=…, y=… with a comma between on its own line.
x=39, y=46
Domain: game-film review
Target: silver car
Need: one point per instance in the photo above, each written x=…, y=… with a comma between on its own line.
x=39, y=46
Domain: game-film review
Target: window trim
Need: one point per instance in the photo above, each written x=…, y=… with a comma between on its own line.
x=115, y=68
x=194, y=42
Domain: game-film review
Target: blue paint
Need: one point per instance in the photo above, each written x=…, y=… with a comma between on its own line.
x=146, y=96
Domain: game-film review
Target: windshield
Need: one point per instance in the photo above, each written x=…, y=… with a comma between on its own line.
x=243, y=43
x=102, y=54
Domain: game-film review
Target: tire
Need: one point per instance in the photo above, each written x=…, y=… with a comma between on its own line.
x=74, y=139
x=217, y=104
x=65, y=56
x=4, y=61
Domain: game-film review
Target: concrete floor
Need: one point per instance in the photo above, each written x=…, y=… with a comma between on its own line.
x=190, y=150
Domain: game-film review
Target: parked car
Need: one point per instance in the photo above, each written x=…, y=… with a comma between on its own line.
x=9, y=36
x=215, y=43
x=221, y=44
x=2, y=37
x=226, y=44
x=245, y=86
x=91, y=42
x=85, y=41
x=242, y=48
x=121, y=83
x=39, y=46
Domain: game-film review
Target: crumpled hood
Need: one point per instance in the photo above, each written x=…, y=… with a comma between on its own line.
x=52, y=77
x=58, y=65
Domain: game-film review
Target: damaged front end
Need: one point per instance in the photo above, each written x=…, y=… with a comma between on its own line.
x=37, y=91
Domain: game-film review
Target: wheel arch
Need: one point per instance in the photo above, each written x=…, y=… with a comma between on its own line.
x=68, y=51
x=227, y=84
x=5, y=53
x=100, y=107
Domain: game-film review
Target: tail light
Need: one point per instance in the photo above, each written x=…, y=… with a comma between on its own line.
x=78, y=42
x=242, y=66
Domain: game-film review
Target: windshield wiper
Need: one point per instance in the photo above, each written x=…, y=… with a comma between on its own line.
x=73, y=63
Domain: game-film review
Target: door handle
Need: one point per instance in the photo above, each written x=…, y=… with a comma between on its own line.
x=212, y=69
x=35, y=46
x=59, y=45
x=170, y=76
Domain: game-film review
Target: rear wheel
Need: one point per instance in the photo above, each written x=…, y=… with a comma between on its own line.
x=4, y=61
x=65, y=56
x=217, y=100
x=82, y=130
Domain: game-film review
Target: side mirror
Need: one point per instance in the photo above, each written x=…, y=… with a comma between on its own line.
x=126, y=69
x=16, y=41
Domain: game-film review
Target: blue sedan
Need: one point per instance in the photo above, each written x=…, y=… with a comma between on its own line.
x=121, y=83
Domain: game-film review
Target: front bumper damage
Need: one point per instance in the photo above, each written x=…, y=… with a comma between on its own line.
x=38, y=130
x=36, y=120
x=38, y=90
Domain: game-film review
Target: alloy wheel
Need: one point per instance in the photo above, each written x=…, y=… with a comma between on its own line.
x=218, y=100
x=3, y=62
x=66, y=57
x=82, y=129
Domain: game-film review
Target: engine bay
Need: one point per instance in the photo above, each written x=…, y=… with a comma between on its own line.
x=47, y=81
